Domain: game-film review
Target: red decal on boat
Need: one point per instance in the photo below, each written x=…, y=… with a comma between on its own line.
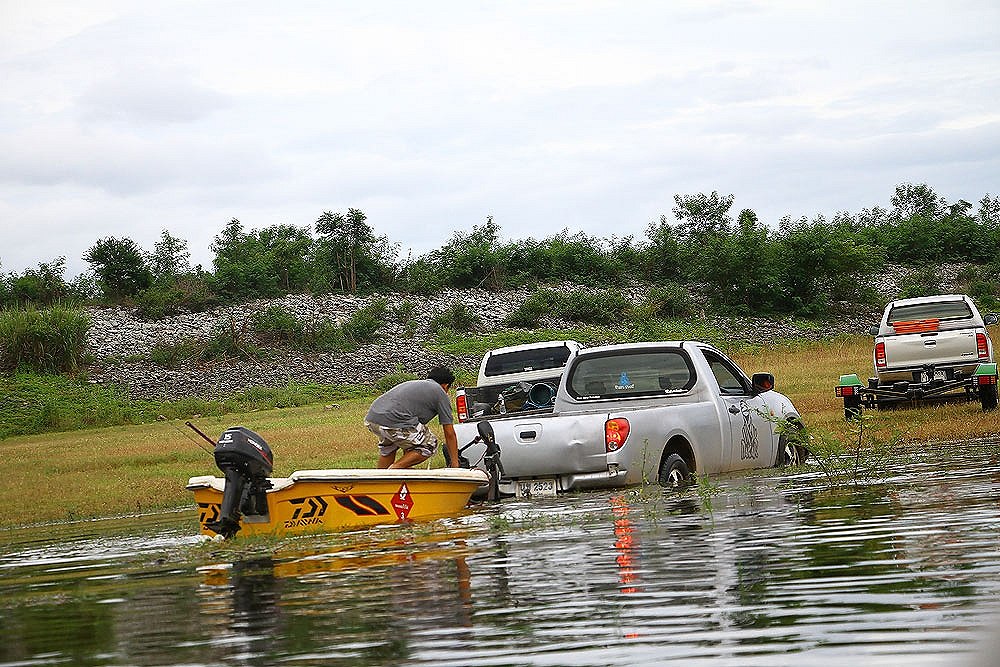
x=402, y=502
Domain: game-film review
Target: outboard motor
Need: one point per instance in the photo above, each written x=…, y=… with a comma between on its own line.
x=246, y=461
x=491, y=458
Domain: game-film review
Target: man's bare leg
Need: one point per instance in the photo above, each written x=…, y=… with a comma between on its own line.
x=386, y=461
x=409, y=459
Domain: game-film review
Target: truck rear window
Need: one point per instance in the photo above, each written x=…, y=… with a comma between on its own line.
x=941, y=310
x=645, y=373
x=521, y=361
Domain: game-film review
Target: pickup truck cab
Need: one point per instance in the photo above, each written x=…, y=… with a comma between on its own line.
x=631, y=413
x=932, y=348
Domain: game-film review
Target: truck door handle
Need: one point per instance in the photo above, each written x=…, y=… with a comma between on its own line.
x=930, y=343
x=527, y=435
x=734, y=410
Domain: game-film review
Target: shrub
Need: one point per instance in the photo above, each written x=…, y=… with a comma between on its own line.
x=277, y=326
x=172, y=355
x=666, y=301
x=456, y=317
x=228, y=340
x=592, y=307
x=51, y=341
x=529, y=314
x=922, y=282
x=358, y=329
x=582, y=305
x=387, y=382
x=192, y=292
x=405, y=313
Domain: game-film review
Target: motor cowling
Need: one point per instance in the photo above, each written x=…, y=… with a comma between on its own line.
x=246, y=460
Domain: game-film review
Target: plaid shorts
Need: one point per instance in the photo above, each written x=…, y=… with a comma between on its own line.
x=417, y=437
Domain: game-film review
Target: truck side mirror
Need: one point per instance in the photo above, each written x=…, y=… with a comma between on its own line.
x=762, y=382
x=873, y=331
x=991, y=318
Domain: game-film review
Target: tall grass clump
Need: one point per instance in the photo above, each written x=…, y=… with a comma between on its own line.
x=53, y=340
x=858, y=457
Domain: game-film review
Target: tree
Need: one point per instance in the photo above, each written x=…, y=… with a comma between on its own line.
x=702, y=215
x=819, y=262
x=910, y=201
x=476, y=258
x=43, y=286
x=661, y=256
x=170, y=258
x=349, y=253
x=989, y=212
x=120, y=266
x=287, y=254
x=268, y=262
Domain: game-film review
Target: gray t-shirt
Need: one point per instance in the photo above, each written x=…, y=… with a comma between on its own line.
x=411, y=402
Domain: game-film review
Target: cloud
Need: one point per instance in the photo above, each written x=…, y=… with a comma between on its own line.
x=123, y=119
x=145, y=96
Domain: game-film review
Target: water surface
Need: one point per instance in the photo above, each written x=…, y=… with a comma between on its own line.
x=783, y=569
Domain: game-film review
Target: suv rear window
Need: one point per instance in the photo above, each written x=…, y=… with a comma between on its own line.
x=941, y=310
x=646, y=373
x=521, y=361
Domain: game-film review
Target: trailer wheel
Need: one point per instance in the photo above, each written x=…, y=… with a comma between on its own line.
x=674, y=473
x=988, y=397
x=852, y=407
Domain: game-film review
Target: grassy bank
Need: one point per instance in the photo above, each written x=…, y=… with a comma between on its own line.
x=125, y=469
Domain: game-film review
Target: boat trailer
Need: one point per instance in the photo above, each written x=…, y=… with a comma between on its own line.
x=932, y=387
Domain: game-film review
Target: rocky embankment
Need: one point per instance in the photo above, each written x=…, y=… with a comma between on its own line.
x=121, y=343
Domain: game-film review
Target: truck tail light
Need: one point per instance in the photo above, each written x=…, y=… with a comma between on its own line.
x=461, y=405
x=880, y=355
x=982, y=346
x=850, y=390
x=615, y=434
x=983, y=380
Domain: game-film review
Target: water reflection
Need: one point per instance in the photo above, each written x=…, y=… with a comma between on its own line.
x=783, y=570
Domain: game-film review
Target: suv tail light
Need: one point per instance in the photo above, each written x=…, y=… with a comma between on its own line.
x=615, y=434
x=880, y=355
x=982, y=346
x=461, y=405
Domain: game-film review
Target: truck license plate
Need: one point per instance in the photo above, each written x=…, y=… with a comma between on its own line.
x=534, y=488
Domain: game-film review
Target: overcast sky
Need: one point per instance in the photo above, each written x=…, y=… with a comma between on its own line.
x=128, y=118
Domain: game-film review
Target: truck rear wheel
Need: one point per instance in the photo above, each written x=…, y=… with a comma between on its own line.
x=674, y=473
x=988, y=397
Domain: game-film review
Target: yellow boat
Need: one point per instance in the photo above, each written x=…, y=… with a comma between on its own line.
x=248, y=500
x=320, y=500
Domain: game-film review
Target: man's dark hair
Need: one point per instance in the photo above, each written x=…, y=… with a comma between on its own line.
x=441, y=375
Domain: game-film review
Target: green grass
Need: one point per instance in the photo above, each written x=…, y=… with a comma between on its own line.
x=37, y=403
x=119, y=459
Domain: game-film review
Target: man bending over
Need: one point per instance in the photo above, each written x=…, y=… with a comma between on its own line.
x=399, y=417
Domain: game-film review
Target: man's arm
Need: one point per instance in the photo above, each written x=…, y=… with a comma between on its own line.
x=451, y=442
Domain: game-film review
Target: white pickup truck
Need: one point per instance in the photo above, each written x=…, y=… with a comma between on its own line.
x=630, y=413
x=931, y=348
